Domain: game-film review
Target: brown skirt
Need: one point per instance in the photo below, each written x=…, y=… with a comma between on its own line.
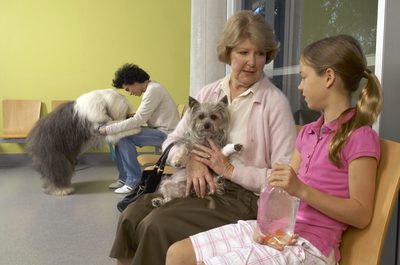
x=144, y=233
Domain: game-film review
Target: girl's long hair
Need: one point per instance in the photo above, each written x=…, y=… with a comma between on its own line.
x=344, y=55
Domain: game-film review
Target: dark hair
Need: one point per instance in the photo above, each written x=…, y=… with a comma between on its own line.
x=129, y=74
x=343, y=54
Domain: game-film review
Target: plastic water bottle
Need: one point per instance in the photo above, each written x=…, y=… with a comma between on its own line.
x=276, y=217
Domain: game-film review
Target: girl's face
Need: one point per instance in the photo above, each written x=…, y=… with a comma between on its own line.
x=247, y=63
x=136, y=88
x=313, y=87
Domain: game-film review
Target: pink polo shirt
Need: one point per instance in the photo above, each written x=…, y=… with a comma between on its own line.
x=318, y=171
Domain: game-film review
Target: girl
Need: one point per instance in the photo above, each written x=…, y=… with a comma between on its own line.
x=332, y=171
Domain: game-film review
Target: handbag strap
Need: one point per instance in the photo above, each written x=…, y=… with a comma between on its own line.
x=160, y=164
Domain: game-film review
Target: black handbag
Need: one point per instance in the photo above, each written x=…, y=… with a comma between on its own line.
x=148, y=183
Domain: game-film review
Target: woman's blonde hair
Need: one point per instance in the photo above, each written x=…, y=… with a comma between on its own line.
x=246, y=25
x=343, y=54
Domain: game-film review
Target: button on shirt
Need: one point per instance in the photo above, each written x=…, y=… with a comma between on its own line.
x=318, y=171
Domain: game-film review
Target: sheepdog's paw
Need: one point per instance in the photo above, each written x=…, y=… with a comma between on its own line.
x=114, y=138
x=157, y=202
x=60, y=191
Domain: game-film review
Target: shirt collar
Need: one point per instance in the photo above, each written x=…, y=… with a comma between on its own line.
x=332, y=126
x=252, y=89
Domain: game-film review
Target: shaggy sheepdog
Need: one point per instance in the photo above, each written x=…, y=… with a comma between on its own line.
x=72, y=128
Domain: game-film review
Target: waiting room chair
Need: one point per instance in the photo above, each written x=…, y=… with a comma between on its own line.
x=150, y=159
x=298, y=128
x=19, y=116
x=57, y=102
x=364, y=246
x=181, y=109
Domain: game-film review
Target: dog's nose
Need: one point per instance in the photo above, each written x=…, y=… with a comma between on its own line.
x=207, y=126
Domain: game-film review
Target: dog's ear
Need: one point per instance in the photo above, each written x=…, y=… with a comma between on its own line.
x=224, y=100
x=193, y=102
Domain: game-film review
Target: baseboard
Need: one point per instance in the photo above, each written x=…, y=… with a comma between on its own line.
x=14, y=160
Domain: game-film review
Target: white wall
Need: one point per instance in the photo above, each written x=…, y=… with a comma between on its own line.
x=206, y=26
x=389, y=126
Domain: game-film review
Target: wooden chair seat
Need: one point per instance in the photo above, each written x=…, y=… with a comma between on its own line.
x=148, y=159
x=19, y=117
x=57, y=102
x=181, y=109
x=167, y=169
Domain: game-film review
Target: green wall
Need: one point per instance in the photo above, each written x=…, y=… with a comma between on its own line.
x=62, y=49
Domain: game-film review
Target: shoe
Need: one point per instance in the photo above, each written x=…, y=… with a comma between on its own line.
x=123, y=190
x=117, y=184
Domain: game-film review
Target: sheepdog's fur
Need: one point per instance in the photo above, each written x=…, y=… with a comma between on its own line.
x=206, y=121
x=58, y=138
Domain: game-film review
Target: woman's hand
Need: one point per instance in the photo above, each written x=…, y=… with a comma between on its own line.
x=214, y=159
x=199, y=176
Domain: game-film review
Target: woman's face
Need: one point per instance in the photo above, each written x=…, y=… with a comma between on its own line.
x=313, y=87
x=247, y=63
x=135, y=89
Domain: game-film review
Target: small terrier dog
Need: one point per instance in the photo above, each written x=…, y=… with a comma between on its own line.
x=207, y=121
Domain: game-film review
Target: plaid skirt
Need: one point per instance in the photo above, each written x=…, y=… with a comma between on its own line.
x=144, y=233
x=233, y=244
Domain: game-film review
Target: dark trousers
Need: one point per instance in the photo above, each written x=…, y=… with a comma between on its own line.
x=145, y=232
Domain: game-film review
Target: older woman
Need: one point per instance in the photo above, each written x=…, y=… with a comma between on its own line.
x=261, y=120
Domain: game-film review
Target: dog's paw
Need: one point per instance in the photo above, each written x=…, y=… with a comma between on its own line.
x=177, y=162
x=220, y=185
x=238, y=147
x=60, y=191
x=157, y=202
x=114, y=138
x=180, y=157
x=220, y=191
x=229, y=149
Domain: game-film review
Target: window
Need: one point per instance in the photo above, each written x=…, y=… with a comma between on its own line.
x=298, y=23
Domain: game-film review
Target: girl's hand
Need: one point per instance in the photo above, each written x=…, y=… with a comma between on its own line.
x=214, y=159
x=199, y=176
x=282, y=175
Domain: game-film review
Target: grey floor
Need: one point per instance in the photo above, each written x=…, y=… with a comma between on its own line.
x=39, y=229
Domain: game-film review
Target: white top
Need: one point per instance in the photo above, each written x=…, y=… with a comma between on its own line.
x=157, y=109
x=239, y=109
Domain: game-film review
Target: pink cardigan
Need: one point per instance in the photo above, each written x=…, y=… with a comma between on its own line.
x=271, y=132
